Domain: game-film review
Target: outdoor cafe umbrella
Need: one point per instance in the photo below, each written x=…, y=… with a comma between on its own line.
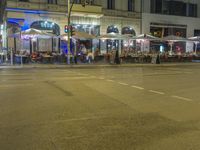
x=113, y=36
x=79, y=35
x=172, y=38
x=146, y=37
x=32, y=33
x=196, y=40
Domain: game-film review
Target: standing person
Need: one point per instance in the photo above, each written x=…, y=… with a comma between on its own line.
x=117, y=60
x=84, y=52
x=158, y=58
x=112, y=56
x=90, y=57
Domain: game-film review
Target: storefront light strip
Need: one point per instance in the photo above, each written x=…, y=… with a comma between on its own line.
x=27, y=11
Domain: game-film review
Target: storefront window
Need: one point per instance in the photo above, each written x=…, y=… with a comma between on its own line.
x=12, y=28
x=90, y=29
x=90, y=44
x=112, y=44
x=49, y=27
x=127, y=44
x=166, y=31
x=112, y=29
x=128, y=30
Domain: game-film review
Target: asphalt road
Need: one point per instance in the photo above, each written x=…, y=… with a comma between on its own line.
x=103, y=108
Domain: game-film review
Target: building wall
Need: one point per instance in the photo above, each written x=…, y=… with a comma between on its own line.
x=119, y=17
x=146, y=8
x=191, y=23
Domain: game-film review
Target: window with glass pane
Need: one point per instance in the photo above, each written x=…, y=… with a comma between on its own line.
x=192, y=10
x=111, y=4
x=52, y=1
x=77, y=1
x=131, y=5
x=24, y=0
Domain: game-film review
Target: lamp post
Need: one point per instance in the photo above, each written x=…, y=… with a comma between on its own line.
x=69, y=9
x=68, y=33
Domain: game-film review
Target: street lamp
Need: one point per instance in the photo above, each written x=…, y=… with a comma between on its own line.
x=69, y=9
x=68, y=33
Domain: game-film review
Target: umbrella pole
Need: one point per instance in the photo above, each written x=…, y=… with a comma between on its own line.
x=30, y=45
x=58, y=45
x=170, y=52
x=15, y=45
x=196, y=48
x=75, y=51
x=52, y=44
x=37, y=44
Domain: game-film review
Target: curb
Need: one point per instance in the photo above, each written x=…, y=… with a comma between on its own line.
x=93, y=65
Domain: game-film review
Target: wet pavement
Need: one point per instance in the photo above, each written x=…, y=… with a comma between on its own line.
x=129, y=107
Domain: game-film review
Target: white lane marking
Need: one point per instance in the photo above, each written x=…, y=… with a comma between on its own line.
x=92, y=76
x=182, y=98
x=110, y=80
x=188, y=72
x=3, y=80
x=84, y=74
x=122, y=83
x=137, y=87
x=13, y=74
x=81, y=74
x=14, y=85
x=157, y=92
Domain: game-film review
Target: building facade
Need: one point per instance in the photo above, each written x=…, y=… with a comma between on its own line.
x=171, y=17
x=156, y=17
x=97, y=17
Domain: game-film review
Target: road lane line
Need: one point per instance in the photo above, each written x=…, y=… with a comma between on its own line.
x=92, y=76
x=83, y=74
x=137, y=87
x=122, y=83
x=110, y=80
x=157, y=92
x=182, y=98
x=16, y=85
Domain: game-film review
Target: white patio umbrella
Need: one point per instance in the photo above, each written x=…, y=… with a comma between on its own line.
x=113, y=36
x=196, y=40
x=34, y=33
x=79, y=35
x=172, y=38
x=31, y=33
x=146, y=37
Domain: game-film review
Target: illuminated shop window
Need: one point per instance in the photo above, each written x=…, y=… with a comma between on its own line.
x=88, y=28
x=128, y=30
x=47, y=26
x=112, y=29
x=112, y=44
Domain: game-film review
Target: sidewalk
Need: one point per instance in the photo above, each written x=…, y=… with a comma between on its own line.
x=46, y=66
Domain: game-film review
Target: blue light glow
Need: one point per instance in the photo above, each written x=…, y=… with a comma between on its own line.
x=16, y=20
x=27, y=11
